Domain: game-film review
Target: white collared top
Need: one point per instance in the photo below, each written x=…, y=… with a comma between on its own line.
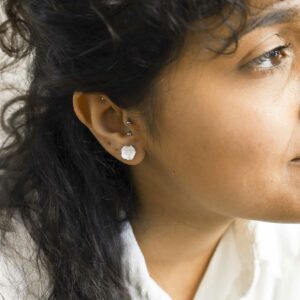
x=254, y=260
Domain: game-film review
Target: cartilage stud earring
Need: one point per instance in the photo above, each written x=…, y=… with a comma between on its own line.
x=128, y=152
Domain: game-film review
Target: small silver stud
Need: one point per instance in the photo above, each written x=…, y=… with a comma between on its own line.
x=129, y=133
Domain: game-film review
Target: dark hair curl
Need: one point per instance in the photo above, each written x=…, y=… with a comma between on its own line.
x=67, y=190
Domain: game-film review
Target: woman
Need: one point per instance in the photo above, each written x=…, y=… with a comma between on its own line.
x=156, y=153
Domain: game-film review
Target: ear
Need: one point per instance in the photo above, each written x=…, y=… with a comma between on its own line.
x=107, y=122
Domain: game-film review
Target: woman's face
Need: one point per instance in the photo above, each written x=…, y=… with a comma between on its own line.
x=230, y=126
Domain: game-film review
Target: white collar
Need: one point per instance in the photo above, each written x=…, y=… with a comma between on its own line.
x=232, y=267
x=137, y=278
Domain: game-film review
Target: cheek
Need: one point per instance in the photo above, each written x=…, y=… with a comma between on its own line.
x=229, y=149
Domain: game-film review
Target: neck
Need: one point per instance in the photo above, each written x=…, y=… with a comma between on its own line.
x=176, y=252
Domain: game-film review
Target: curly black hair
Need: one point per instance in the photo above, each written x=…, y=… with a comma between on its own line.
x=68, y=191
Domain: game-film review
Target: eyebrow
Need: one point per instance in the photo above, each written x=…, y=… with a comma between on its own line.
x=272, y=17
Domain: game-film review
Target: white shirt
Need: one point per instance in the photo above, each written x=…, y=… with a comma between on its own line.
x=254, y=260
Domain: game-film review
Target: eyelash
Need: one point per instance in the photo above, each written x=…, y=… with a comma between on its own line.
x=268, y=56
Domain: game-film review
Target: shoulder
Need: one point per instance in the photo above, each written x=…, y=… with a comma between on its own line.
x=20, y=278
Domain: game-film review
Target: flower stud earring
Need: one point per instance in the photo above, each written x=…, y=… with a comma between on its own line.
x=128, y=152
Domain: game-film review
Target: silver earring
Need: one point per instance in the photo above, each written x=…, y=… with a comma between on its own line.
x=102, y=99
x=127, y=122
x=128, y=152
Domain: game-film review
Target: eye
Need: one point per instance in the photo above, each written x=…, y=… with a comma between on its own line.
x=269, y=61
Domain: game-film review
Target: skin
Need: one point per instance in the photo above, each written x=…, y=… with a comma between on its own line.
x=224, y=153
